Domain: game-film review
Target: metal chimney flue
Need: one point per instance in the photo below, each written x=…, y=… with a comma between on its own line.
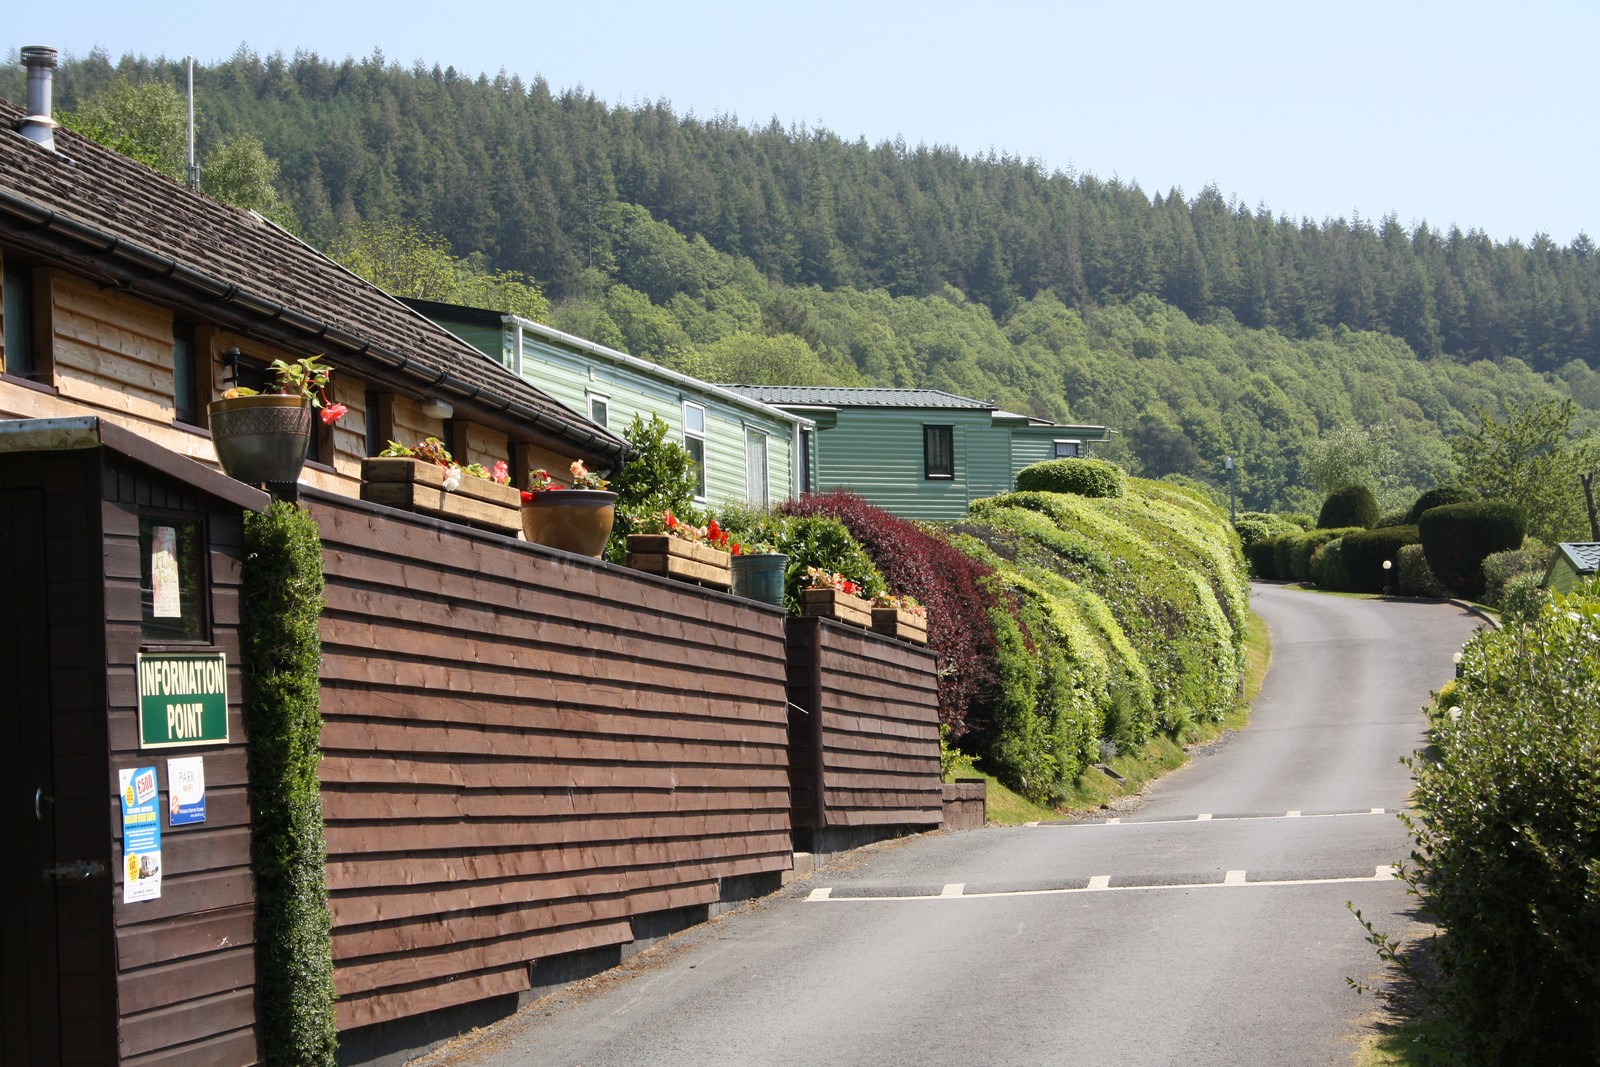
x=37, y=125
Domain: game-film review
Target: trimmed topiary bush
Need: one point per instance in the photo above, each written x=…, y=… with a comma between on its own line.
x=1327, y=565
x=1459, y=537
x=1080, y=477
x=1292, y=555
x=1263, y=558
x=1438, y=497
x=1416, y=577
x=1366, y=550
x=1391, y=518
x=1347, y=506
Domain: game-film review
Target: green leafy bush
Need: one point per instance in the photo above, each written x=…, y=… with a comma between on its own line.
x=1366, y=551
x=1459, y=537
x=1521, y=599
x=1080, y=477
x=1292, y=555
x=1416, y=577
x=1501, y=567
x=1263, y=557
x=282, y=600
x=1347, y=506
x=1508, y=840
x=658, y=476
x=1327, y=566
x=1438, y=497
x=1391, y=518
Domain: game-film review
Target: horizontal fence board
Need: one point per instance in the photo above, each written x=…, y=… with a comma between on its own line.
x=489, y=773
x=189, y=1021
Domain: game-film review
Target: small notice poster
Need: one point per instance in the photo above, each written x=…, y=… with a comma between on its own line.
x=141, y=834
x=186, y=790
x=164, y=599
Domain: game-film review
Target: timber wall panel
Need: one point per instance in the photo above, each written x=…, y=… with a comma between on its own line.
x=865, y=729
x=185, y=962
x=525, y=750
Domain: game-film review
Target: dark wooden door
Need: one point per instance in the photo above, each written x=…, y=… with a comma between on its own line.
x=30, y=988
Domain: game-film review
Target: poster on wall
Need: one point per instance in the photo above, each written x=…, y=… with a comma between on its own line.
x=164, y=584
x=186, y=790
x=141, y=834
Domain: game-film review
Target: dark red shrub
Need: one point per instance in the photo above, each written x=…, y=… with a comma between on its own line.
x=949, y=584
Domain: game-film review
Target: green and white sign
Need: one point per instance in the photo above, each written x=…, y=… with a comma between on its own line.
x=183, y=699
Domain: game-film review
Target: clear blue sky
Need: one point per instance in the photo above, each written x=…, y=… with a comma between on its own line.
x=1478, y=114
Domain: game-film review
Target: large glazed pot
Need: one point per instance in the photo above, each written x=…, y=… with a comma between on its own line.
x=573, y=520
x=760, y=576
x=261, y=438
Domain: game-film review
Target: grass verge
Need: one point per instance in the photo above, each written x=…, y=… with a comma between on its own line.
x=1131, y=771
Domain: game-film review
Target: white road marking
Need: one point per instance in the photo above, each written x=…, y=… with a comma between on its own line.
x=1233, y=878
x=1100, y=883
x=1212, y=818
x=953, y=889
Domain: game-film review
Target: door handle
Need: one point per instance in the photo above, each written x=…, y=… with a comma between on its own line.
x=39, y=801
x=76, y=871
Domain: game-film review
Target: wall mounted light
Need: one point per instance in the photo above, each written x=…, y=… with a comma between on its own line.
x=437, y=409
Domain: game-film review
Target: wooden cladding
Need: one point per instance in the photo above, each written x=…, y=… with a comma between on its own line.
x=523, y=751
x=864, y=729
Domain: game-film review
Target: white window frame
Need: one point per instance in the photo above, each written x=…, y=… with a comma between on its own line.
x=604, y=401
x=698, y=436
x=758, y=494
x=1077, y=448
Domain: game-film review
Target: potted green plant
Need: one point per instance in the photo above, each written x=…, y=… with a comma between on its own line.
x=263, y=437
x=575, y=518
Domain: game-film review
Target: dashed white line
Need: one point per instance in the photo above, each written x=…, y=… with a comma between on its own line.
x=1212, y=818
x=1101, y=883
x=953, y=889
x=1202, y=818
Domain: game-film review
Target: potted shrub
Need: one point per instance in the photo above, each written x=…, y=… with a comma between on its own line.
x=675, y=548
x=425, y=477
x=263, y=437
x=575, y=518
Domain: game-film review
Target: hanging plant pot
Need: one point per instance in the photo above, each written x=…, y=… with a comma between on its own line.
x=573, y=520
x=261, y=438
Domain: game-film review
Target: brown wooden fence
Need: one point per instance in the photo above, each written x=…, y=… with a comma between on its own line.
x=864, y=729
x=524, y=751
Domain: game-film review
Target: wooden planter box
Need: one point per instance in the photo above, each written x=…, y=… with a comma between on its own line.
x=416, y=485
x=687, y=561
x=840, y=607
x=897, y=622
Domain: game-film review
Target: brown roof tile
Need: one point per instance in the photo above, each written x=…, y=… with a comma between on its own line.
x=114, y=217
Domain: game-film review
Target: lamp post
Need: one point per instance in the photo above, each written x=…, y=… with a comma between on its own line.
x=1388, y=577
x=1233, y=480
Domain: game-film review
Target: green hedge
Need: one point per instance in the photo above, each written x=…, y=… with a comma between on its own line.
x=1438, y=497
x=1347, y=506
x=1508, y=856
x=282, y=657
x=1366, y=551
x=1457, y=538
x=1080, y=477
x=1292, y=554
x=1416, y=577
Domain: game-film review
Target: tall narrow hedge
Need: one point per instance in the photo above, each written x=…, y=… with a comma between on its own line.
x=283, y=587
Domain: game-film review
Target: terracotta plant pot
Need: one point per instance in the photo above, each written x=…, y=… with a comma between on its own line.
x=573, y=520
x=261, y=438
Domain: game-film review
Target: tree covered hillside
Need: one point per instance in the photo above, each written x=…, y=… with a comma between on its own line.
x=527, y=175
x=1193, y=327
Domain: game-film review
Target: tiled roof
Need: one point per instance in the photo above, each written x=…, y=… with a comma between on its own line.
x=121, y=221
x=1584, y=556
x=839, y=397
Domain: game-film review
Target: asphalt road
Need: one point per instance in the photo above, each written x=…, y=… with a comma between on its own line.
x=1207, y=927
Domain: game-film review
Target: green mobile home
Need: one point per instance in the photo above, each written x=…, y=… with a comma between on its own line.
x=748, y=450
x=921, y=453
